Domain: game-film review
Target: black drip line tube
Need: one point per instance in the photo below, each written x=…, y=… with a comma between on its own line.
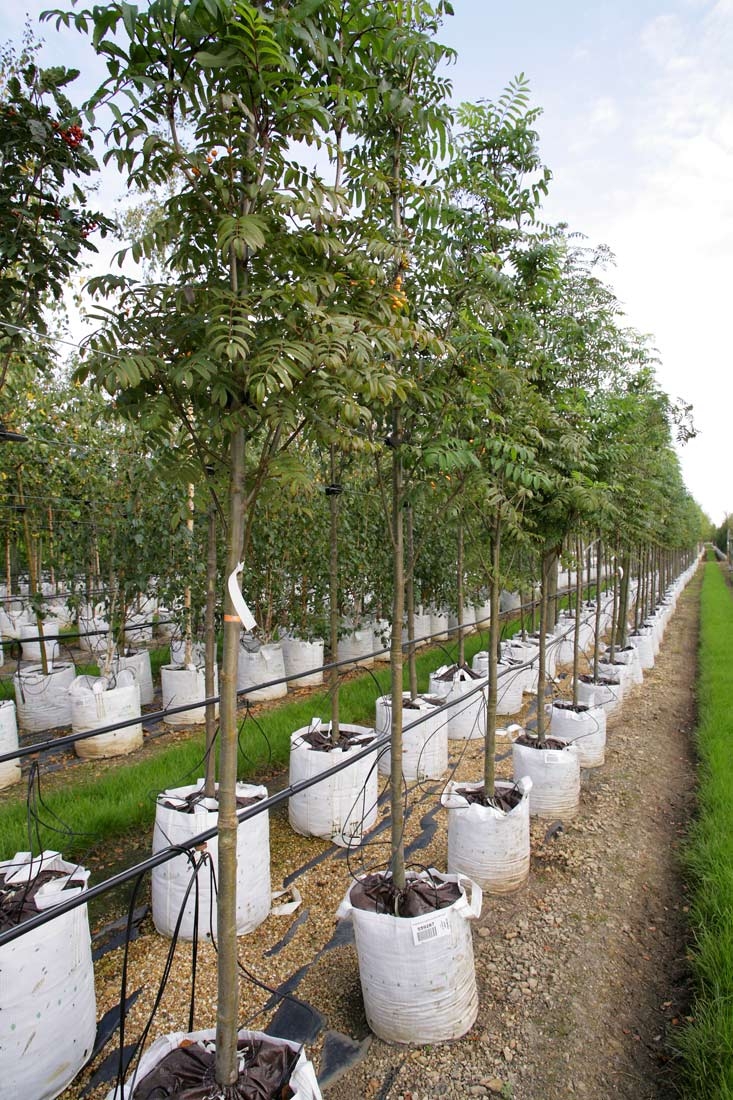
x=164, y=855
x=151, y=717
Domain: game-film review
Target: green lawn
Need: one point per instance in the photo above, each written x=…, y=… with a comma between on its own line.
x=707, y=1042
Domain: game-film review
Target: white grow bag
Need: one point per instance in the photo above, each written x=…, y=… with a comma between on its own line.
x=480, y=662
x=13, y=618
x=422, y=626
x=48, y=1021
x=93, y=629
x=489, y=845
x=617, y=671
x=138, y=627
x=382, y=640
x=644, y=642
x=424, y=746
x=178, y=651
x=439, y=623
x=469, y=620
x=304, y=660
x=526, y=653
x=629, y=655
x=32, y=649
x=565, y=640
x=417, y=973
x=43, y=701
x=343, y=806
x=357, y=644
x=555, y=775
x=510, y=687
x=482, y=614
x=585, y=728
x=603, y=694
x=97, y=701
x=258, y=664
x=183, y=686
x=139, y=665
x=303, y=1081
x=466, y=716
x=171, y=880
x=10, y=770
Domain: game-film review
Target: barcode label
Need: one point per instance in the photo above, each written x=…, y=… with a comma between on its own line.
x=431, y=929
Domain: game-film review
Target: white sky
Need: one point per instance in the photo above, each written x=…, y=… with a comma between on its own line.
x=638, y=131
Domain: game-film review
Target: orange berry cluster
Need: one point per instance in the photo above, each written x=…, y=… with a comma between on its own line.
x=73, y=136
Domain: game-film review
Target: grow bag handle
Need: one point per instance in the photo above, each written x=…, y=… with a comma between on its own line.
x=474, y=903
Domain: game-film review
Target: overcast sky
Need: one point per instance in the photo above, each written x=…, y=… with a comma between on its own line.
x=637, y=129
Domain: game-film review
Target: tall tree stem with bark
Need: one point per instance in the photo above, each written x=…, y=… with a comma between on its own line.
x=227, y=963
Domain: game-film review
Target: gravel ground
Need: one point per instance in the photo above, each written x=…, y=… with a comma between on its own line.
x=581, y=973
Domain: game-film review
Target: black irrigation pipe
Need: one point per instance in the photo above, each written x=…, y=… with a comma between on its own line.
x=71, y=634
x=166, y=854
x=150, y=717
x=17, y=596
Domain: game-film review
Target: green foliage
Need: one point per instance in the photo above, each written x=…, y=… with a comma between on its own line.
x=45, y=224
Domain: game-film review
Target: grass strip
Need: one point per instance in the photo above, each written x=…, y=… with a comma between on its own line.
x=706, y=1043
x=81, y=810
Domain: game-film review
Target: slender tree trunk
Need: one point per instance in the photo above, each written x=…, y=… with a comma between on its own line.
x=397, y=796
x=542, y=673
x=599, y=581
x=8, y=567
x=227, y=967
x=188, y=647
x=578, y=605
x=210, y=654
x=614, y=612
x=32, y=575
x=637, y=600
x=459, y=591
x=51, y=551
x=623, y=610
x=333, y=592
x=410, y=599
x=552, y=603
x=493, y=695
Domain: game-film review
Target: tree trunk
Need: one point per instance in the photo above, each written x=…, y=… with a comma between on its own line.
x=493, y=696
x=397, y=795
x=32, y=575
x=333, y=592
x=188, y=647
x=51, y=552
x=614, y=611
x=210, y=654
x=541, y=675
x=227, y=969
x=578, y=605
x=599, y=579
x=459, y=590
x=410, y=603
x=623, y=600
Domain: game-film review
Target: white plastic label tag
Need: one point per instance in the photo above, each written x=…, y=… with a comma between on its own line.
x=425, y=931
x=246, y=617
